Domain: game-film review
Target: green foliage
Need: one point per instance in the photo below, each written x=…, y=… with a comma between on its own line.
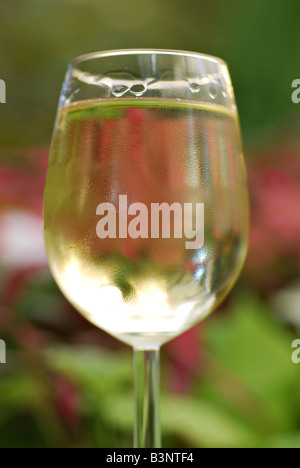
x=258, y=350
x=246, y=397
x=247, y=394
x=259, y=40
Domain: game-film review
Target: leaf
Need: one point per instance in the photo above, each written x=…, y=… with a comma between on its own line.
x=257, y=349
x=198, y=422
x=286, y=441
x=93, y=369
x=19, y=392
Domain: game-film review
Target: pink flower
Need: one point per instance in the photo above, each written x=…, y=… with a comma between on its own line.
x=274, y=252
x=185, y=359
x=21, y=228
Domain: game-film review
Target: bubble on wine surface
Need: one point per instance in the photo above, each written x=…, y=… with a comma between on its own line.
x=194, y=87
x=213, y=91
x=138, y=89
x=119, y=90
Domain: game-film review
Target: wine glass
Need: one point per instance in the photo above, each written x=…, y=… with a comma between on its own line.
x=146, y=209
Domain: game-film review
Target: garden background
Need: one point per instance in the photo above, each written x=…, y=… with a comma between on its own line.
x=228, y=382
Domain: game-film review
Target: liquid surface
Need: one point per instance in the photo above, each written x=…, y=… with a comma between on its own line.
x=145, y=291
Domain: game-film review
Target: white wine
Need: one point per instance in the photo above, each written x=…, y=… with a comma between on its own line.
x=142, y=289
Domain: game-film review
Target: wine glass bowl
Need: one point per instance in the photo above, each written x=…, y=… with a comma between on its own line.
x=146, y=209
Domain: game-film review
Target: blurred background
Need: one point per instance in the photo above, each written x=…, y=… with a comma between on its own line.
x=229, y=382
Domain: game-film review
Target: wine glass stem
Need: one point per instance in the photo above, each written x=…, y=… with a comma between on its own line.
x=147, y=423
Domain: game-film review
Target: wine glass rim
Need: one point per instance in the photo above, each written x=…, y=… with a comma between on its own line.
x=111, y=53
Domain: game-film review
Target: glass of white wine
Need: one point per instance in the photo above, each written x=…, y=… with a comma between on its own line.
x=146, y=208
